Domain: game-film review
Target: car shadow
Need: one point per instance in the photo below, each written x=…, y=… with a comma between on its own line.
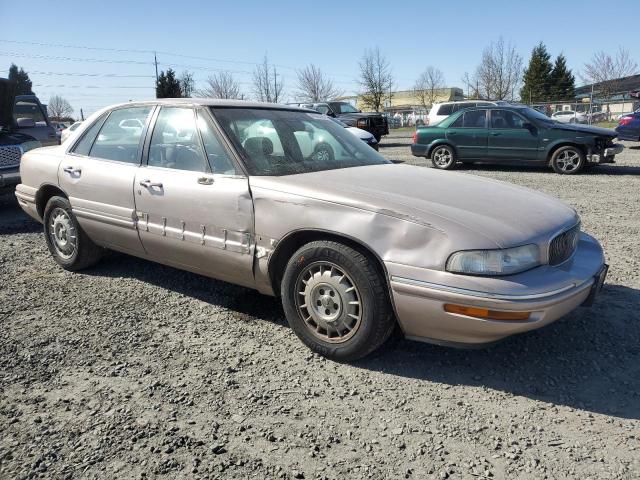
x=12, y=219
x=589, y=360
x=605, y=169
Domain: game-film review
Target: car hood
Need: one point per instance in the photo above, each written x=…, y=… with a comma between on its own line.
x=504, y=214
x=14, y=138
x=358, y=132
x=589, y=129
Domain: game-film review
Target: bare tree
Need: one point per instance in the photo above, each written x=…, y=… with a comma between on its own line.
x=267, y=86
x=428, y=85
x=606, y=71
x=221, y=85
x=187, y=84
x=376, y=78
x=499, y=73
x=58, y=107
x=314, y=86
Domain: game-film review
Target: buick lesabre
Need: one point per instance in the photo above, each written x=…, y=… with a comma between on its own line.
x=284, y=201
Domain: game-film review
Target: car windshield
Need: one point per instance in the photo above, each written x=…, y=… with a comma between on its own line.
x=281, y=142
x=536, y=115
x=343, y=107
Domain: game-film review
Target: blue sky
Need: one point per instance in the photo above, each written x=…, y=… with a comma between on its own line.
x=332, y=35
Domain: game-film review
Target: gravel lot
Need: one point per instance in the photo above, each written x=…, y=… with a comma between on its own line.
x=134, y=370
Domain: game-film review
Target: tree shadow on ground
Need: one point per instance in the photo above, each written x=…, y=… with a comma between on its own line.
x=589, y=360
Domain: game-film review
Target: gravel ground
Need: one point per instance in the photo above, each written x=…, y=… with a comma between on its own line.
x=135, y=370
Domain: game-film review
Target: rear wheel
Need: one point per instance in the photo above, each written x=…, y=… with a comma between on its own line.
x=568, y=160
x=69, y=245
x=336, y=301
x=443, y=157
x=323, y=153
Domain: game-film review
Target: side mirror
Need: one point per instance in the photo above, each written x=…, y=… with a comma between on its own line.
x=26, y=122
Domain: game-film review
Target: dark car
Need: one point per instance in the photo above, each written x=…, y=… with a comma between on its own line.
x=515, y=135
x=373, y=122
x=629, y=127
x=14, y=140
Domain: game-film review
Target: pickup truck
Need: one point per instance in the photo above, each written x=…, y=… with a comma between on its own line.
x=23, y=126
x=373, y=122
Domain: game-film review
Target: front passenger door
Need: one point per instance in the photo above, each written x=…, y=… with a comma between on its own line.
x=194, y=206
x=510, y=139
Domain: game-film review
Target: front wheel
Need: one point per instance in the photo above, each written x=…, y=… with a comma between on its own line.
x=69, y=245
x=323, y=153
x=568, y=160
x=443, y=157
x=336, y=301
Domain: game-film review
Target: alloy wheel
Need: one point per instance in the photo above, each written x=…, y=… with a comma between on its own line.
x=442, y=157
x=568, y=161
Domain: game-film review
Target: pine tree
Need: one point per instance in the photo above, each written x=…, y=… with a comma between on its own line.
x=537, y=76
x=168, y=86
x=563, y=83
x=20, y=77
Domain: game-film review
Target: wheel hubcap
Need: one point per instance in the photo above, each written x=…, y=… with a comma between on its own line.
x=568, y=161
x=62, y=232
x=322, y=155
x=328, y=302
x=442, y=157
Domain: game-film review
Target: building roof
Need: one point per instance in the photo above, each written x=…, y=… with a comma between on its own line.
x=626, y=84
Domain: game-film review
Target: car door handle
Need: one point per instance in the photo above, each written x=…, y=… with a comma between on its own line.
x=72, y=170
x=150, y=184
x=205, y=180
x=495, y=134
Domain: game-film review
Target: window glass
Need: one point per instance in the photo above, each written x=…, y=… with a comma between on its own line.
x=84, y=145
x=457, y=123
x=475, y=119
x=343, y=107
x=322, y=109
x=175, y=142
x=119, y=137
x=506, y=119
x=218, y=158
x=445, y=109
x=29, y=109
x=281, y=142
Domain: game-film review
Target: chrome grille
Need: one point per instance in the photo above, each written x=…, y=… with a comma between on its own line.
x=563, y=245
x=10, y=155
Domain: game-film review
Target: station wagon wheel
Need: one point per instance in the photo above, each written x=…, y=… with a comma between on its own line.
x=69, y=245
x=336, y=300
x=323, y=153
x=443, y=157
x=567, y=160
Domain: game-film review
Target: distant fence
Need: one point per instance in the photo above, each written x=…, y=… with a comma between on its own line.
x=585, y=112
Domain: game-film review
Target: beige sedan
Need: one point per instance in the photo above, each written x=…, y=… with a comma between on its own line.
x=284, y=201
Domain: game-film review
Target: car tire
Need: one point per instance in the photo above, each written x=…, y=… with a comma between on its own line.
x=443, y=157
x=323, y=153
x=568, y=160
x=69, y=245
x=336, y=301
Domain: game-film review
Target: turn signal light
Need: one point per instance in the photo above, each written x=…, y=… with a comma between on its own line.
x=485, y=313
x=414, y=137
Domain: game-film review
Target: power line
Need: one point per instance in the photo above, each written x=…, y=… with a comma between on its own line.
x=83, y=74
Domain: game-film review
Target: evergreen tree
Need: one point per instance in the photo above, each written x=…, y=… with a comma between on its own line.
x=168, y=86
x=563, y=83
x=537, y=76
x=20, y=77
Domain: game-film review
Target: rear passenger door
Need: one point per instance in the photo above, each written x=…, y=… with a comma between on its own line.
x=98, y=173
x=468, y=133
x=193, y=202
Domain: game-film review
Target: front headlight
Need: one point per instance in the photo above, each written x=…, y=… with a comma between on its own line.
x=361, y=123
x=494, y=262
x=30, y=145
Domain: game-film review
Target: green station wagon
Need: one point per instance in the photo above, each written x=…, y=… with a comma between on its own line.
x=515, y=135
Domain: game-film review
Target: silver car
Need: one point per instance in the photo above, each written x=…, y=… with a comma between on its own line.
x=284, y=201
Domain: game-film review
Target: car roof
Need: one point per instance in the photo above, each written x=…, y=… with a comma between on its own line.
x=211, y=102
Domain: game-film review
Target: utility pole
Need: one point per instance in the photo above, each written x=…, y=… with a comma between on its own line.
x=155, y=61
x=81, y=115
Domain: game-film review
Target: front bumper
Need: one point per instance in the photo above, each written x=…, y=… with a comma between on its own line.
x=9, y=177
x=606, y=156
x=549, y=292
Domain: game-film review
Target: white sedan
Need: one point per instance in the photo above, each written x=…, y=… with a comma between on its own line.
x=66, y=133
x=570, y=116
